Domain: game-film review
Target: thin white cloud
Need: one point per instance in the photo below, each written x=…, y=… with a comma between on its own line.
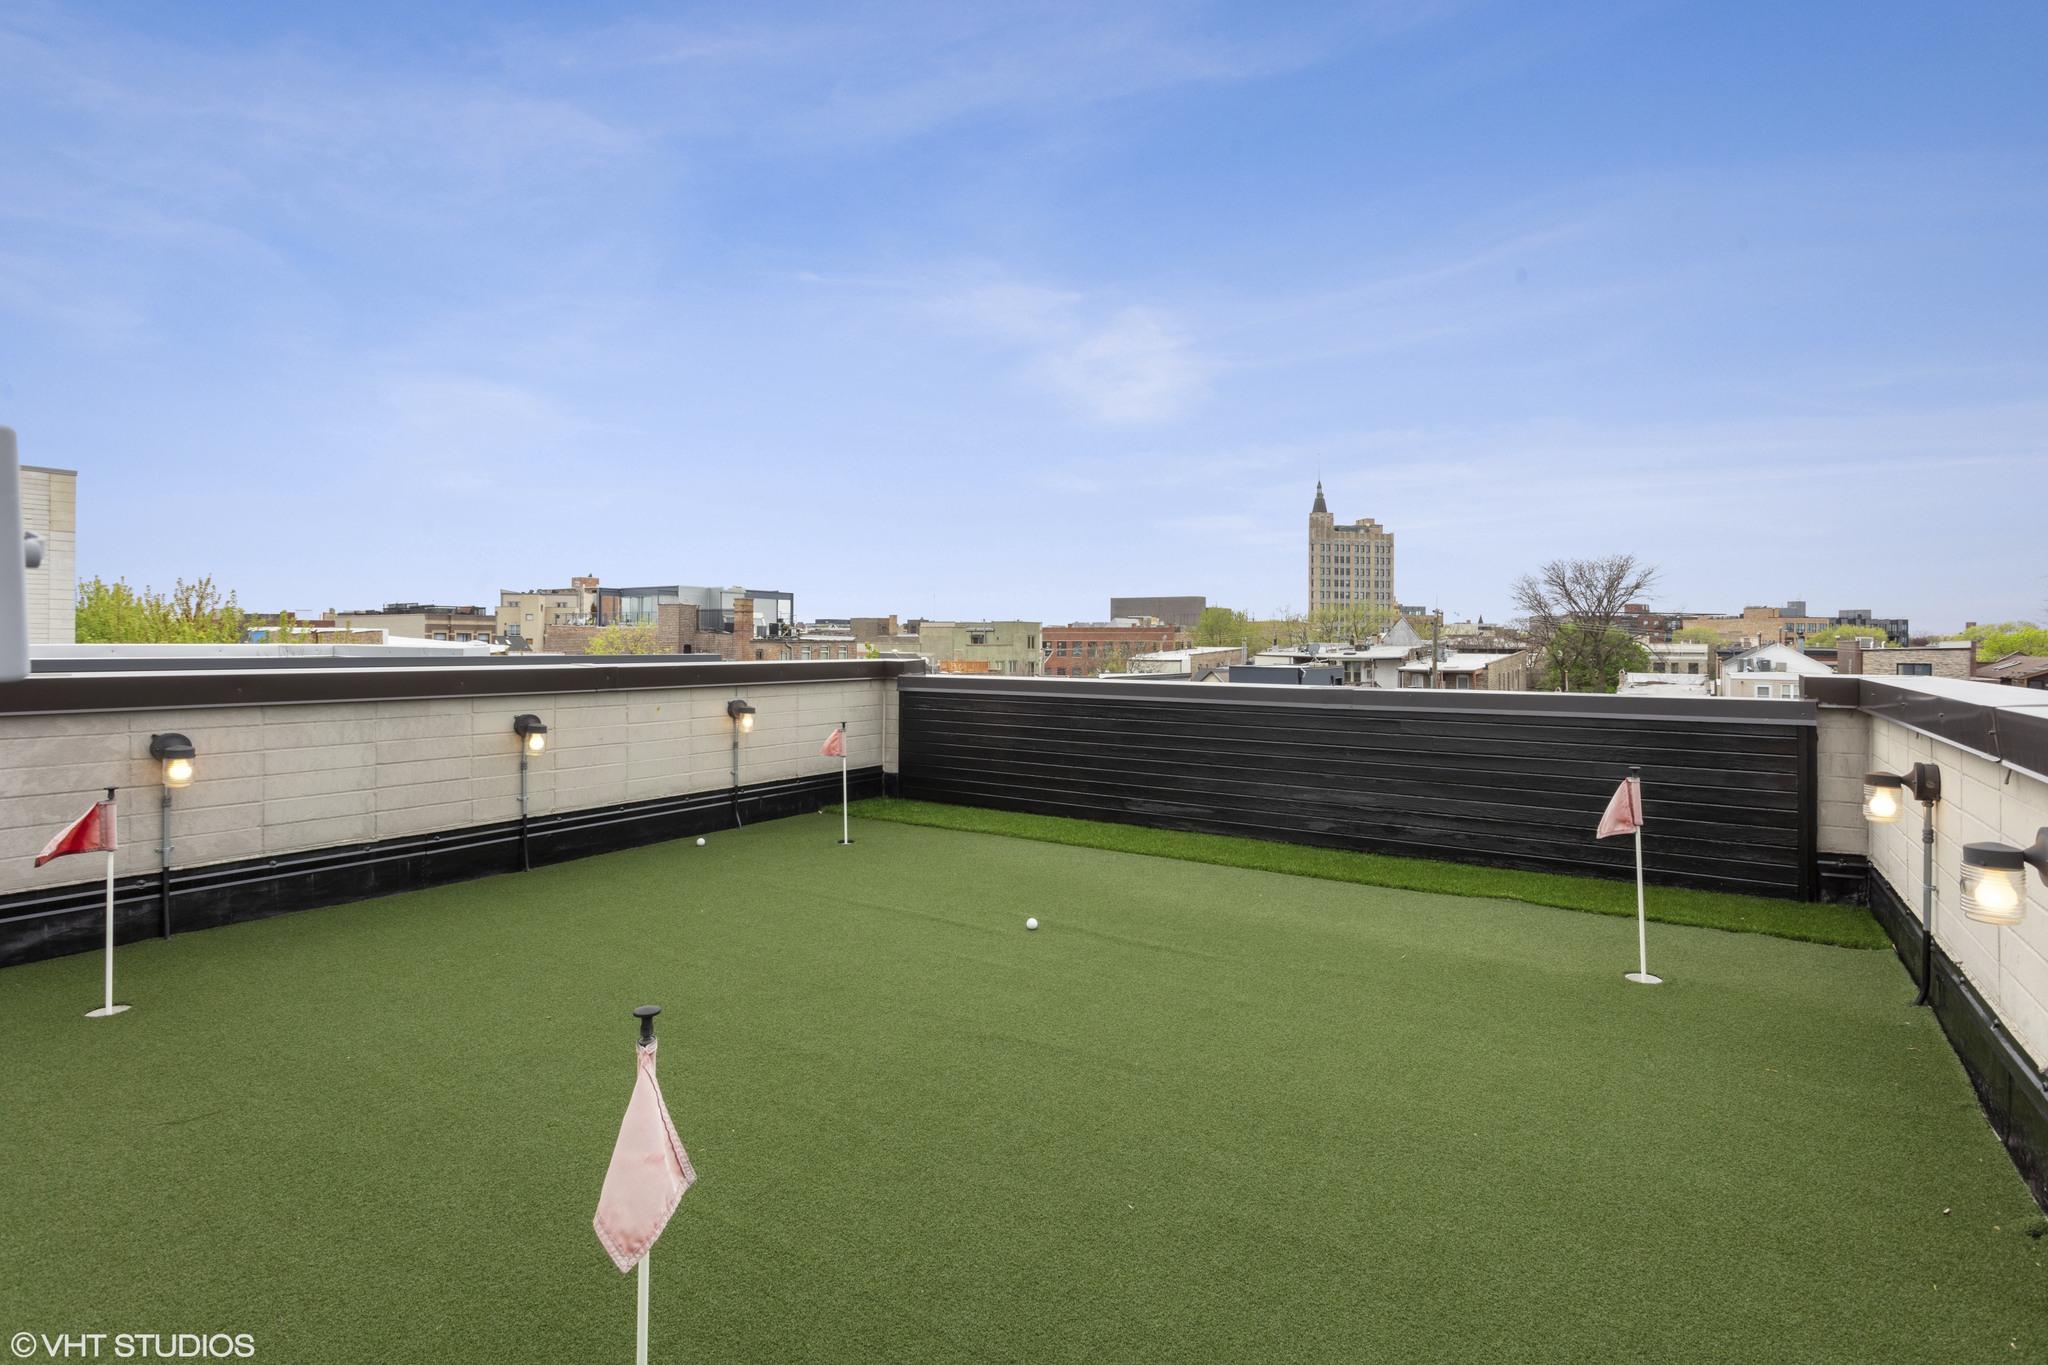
x=1118, y=364
x=1136, y=367
x=452, y=432
x=1012, y=309
x=164, y=137
x=900, y=71
x=54, y=293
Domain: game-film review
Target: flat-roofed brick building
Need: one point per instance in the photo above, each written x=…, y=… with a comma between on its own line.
x=1085, y=648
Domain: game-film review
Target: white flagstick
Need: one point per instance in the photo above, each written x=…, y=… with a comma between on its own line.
x=640, y=1346
x=845, y=815
x=110, y=933
x=110, y=1008
x=1641, y=976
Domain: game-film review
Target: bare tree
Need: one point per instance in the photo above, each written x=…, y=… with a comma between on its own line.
x=1570, y=607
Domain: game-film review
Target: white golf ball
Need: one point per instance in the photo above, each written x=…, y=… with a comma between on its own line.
x=700, y=843
x=1031, y=924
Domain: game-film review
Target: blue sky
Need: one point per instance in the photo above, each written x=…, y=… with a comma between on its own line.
x=999, y=310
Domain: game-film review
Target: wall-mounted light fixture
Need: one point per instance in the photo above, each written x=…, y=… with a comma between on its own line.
x=1995, y=879
x=1886, y=794
x=176, y=754
x=532, y=732
x=1884, y=797
x=742, y=712
x=533, y=740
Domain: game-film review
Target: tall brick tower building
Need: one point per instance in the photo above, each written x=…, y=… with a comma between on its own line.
x=1348, y=565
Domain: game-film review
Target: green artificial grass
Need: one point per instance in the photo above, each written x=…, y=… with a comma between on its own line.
x=1845, y=926
x=1204, y=1114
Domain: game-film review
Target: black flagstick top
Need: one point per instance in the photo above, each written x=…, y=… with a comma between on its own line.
x=645, y=1014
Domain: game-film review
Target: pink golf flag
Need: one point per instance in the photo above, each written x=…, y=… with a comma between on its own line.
x=91, y=832
x=835, y=745
x=1624, y=813
x=649, y=1172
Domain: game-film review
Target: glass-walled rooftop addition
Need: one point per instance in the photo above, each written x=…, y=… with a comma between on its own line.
x=774, y=610
x=641, y=606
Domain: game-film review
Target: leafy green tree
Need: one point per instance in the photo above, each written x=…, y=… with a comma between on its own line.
x=1571, y=662
x=287, y=630
x=1287, y=629
x=191, y=613
x=1266, y=634
x=2005, y=637
x=619, y=638
x=1828, y=636
x=1222, y=626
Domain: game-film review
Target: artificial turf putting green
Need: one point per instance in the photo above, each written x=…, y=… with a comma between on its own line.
x=1845, y=926
x=1204, y=1114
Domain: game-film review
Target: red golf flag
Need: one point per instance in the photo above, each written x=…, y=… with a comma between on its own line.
x=649, y=1172
x=835, y=745
x=92, y=832
x=1624, y=813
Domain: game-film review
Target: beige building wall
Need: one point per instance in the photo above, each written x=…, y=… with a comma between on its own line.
x=1348, y=565
x=529, y=614
x=1983, y=801
x=1843, y=757
x=1189, y=662
x=1687, y=659
x=1759, y=626
x=1767, y=686
x=421, y=625
x=408, y=625
x=1012, y=648
x=287, y=778
x=49, y=508
x=1508, y=673
x=1934, y=661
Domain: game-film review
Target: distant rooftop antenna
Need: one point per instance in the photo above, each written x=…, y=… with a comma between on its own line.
x=14, y=565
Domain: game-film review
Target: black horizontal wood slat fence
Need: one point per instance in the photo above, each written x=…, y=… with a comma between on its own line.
x=1504, y=779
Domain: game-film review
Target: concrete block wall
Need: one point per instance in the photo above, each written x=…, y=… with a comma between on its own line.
x=49, y=508
x=1844, y=756
x=287, y=778
x=1982, y=801
x=1886, y=660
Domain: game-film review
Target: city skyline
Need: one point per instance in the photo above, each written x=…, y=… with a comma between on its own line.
x=482, y=601
x=450, y=303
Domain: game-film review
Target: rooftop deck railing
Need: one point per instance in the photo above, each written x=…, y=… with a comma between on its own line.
x=1512, y=779
x=1988, y=983
x=326, y=780
x=320, y=781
